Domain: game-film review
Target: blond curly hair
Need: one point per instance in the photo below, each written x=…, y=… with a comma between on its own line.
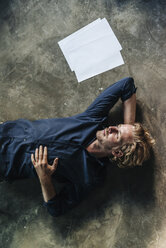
x=134, y=154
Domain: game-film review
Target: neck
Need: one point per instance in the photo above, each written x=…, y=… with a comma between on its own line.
x=97, y=150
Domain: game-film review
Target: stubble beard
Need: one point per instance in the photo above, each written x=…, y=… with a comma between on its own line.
x=99, y=137
x=101, y=143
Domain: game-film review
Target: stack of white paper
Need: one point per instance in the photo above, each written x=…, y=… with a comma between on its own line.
x=92, y=50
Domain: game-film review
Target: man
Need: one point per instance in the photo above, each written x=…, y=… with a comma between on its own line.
x=77, y=144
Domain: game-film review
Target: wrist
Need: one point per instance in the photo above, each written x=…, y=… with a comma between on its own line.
x=44, y=179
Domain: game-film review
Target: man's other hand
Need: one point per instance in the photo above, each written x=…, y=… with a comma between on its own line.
x=43, y=169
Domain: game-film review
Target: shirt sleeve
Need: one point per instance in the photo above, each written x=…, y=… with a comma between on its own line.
x=101, y=106
x=69, y=197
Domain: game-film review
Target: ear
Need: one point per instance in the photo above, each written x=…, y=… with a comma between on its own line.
x=117, y=153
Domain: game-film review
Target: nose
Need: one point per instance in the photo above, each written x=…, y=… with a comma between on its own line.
x=112, y=129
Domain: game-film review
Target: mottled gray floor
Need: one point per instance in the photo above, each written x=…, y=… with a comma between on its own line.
x=36, y=82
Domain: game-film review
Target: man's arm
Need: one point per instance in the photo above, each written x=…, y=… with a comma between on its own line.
x=70, y=195
x=129, y=107
x=44, y=172
x=101, y=106
x=48, y=189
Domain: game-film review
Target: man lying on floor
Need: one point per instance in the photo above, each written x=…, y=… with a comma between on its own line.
x=77, y=147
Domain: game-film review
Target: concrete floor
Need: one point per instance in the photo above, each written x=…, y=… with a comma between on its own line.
x=36, y=82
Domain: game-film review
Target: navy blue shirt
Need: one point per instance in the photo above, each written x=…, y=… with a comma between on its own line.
x=67, y=139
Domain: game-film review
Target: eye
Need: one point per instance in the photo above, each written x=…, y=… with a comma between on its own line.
x=118, y=135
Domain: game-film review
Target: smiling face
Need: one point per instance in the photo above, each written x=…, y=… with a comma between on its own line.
x=115, y=136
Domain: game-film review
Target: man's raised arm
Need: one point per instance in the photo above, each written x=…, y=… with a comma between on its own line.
x=129, y=108
x=123, y=89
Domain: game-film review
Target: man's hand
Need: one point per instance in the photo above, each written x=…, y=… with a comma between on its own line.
x=44, y=172
x=43, y=169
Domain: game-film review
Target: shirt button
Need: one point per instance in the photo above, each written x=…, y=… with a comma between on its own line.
x=25, y=139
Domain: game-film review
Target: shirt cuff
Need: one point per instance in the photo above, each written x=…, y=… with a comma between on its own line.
x=53, y=206
x=129, y=89
x=51, y=201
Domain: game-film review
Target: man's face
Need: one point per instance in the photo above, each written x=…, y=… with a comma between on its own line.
x=115, y=136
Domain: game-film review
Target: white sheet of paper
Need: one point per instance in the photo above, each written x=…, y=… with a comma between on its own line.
x=67, y=39
x=95, y=32
x=98, y=68
x=92, y=50
x=86, y=56
x=63, y=43
x=86, y=35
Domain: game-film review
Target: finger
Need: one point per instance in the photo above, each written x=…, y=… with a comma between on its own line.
x=32, y=159
x=45, y=155
x=40, y=153
x=37, y=154
x=55, y=164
